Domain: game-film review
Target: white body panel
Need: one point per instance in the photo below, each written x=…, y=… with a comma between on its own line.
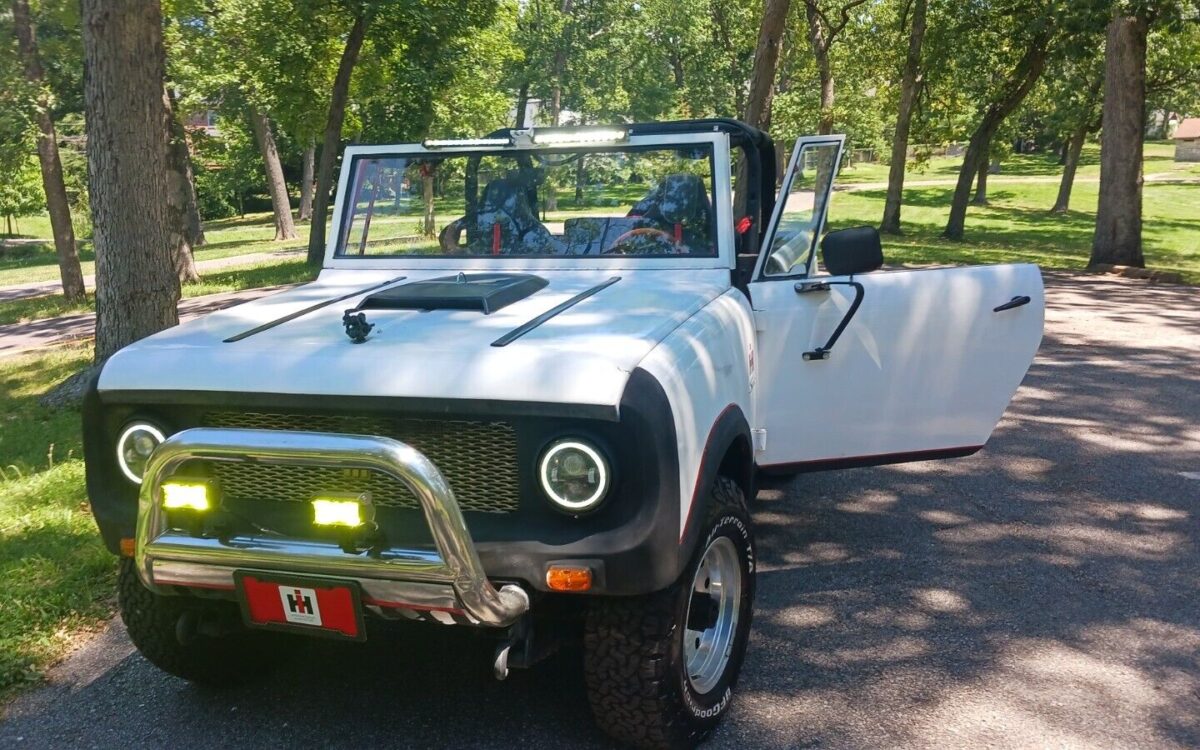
x=924, y=365
x=582, y=356
x=704, y=367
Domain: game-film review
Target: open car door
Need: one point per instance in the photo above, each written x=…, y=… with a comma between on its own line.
x=877, y=366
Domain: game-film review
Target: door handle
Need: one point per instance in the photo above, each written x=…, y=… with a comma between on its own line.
x=1015, y=302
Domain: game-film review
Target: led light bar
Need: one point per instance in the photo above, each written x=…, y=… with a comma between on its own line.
x=580, y=137
x=329, y=511
x=185, y=496
x=464, y=142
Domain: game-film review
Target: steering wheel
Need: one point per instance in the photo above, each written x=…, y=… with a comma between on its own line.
x=657, y=235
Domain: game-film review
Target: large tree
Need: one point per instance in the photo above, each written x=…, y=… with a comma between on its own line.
x=333, y=136
x=399, y=34
x=128, y=147
x=181, y=155
x=1030, y=47
x=1118, y=237
x=280, y=205
x=826, y=21
x=57, y=204
x=909, y=81
x=181, y=197
x=766, y=59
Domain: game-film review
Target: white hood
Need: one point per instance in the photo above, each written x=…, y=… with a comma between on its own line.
x=582, y=356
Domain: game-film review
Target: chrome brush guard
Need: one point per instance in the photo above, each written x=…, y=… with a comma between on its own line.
x=450, y=579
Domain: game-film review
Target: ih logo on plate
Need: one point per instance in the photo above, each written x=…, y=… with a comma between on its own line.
x=300, y=605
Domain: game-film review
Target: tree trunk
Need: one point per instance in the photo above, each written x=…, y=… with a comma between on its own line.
x=430, y=221
x=183, y=158
x=560, y=69
x=306, y=181
x=1074, y=149
x=333, y=134
x=1118, y=238
x=762, y=87
x=47, y=147
x=1011, y=94
x=580, y=181
x=908, y=97
x=276, y=186
x=522, y=105
x=136, y=287
x=179, y=177
x=981, y=177
x=555, y=113
x=819, y=39
x=766, y=58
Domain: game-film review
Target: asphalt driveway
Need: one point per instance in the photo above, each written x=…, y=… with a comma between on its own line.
x=1042, y=593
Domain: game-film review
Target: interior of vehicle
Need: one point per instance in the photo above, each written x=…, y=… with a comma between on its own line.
x=653, y=201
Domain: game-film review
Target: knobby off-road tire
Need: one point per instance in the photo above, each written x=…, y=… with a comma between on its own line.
x=635, y=661
x=235, y=657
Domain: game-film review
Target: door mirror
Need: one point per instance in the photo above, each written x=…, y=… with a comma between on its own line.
x=850, y=251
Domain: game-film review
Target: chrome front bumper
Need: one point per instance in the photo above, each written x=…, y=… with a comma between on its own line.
x=450, y=579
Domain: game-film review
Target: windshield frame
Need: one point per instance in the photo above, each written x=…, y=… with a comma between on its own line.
x=722, y=209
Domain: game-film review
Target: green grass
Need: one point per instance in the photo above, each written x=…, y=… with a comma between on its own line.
x=1017, y=226
x=226, y=238
x=230, y=279
x=1159, y=159
x=58, y=579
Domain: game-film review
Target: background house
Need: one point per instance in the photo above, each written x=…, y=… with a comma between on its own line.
x=1187, y=140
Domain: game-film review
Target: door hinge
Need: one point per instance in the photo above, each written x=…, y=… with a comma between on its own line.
x=759, y=438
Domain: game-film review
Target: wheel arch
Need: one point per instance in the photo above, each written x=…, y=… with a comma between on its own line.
x=727, y=452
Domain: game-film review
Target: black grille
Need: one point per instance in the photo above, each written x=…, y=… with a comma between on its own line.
x=478, y=459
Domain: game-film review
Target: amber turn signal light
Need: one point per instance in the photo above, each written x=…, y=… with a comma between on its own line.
x=562, y=578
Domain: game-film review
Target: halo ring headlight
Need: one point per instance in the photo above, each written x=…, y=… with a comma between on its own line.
x=574, y=475
x=134, y=447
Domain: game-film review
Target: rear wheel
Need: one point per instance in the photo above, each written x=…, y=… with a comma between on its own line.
x=660, y=669
x=199, y=640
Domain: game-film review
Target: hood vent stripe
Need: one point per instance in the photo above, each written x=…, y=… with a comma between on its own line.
x=525, y=328
x=307, y=310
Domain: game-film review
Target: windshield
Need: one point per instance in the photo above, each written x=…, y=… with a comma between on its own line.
x=646, y=201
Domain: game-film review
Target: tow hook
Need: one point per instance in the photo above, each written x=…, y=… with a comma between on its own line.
x=518, y=636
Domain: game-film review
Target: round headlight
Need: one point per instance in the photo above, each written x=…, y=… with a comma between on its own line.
x=138, y=440
x=574, y=475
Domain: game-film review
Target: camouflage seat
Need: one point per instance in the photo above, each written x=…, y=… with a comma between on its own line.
x=506, y=223
x=679, y=206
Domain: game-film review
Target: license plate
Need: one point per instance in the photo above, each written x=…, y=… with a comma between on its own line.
x=312, y=606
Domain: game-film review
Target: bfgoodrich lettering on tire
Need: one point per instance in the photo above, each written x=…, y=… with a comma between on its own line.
x=660, y=669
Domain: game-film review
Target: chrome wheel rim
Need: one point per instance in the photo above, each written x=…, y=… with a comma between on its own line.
x=712, y=617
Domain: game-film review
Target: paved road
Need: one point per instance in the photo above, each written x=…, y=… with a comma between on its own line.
x=17, y=338
x=42, y=288
x=1040, y=594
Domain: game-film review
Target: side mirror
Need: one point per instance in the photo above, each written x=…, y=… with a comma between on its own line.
x=850, y=251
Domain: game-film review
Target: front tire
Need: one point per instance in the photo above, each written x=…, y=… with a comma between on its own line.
x=211, y=647
x=660, y=669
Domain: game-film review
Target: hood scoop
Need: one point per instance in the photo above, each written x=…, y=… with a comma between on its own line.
x=485, y=292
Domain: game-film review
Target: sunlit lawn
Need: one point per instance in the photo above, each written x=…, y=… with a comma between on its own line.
x=58, y=579
x=1017, y=226
x=1159, y=161
x=226, y=238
